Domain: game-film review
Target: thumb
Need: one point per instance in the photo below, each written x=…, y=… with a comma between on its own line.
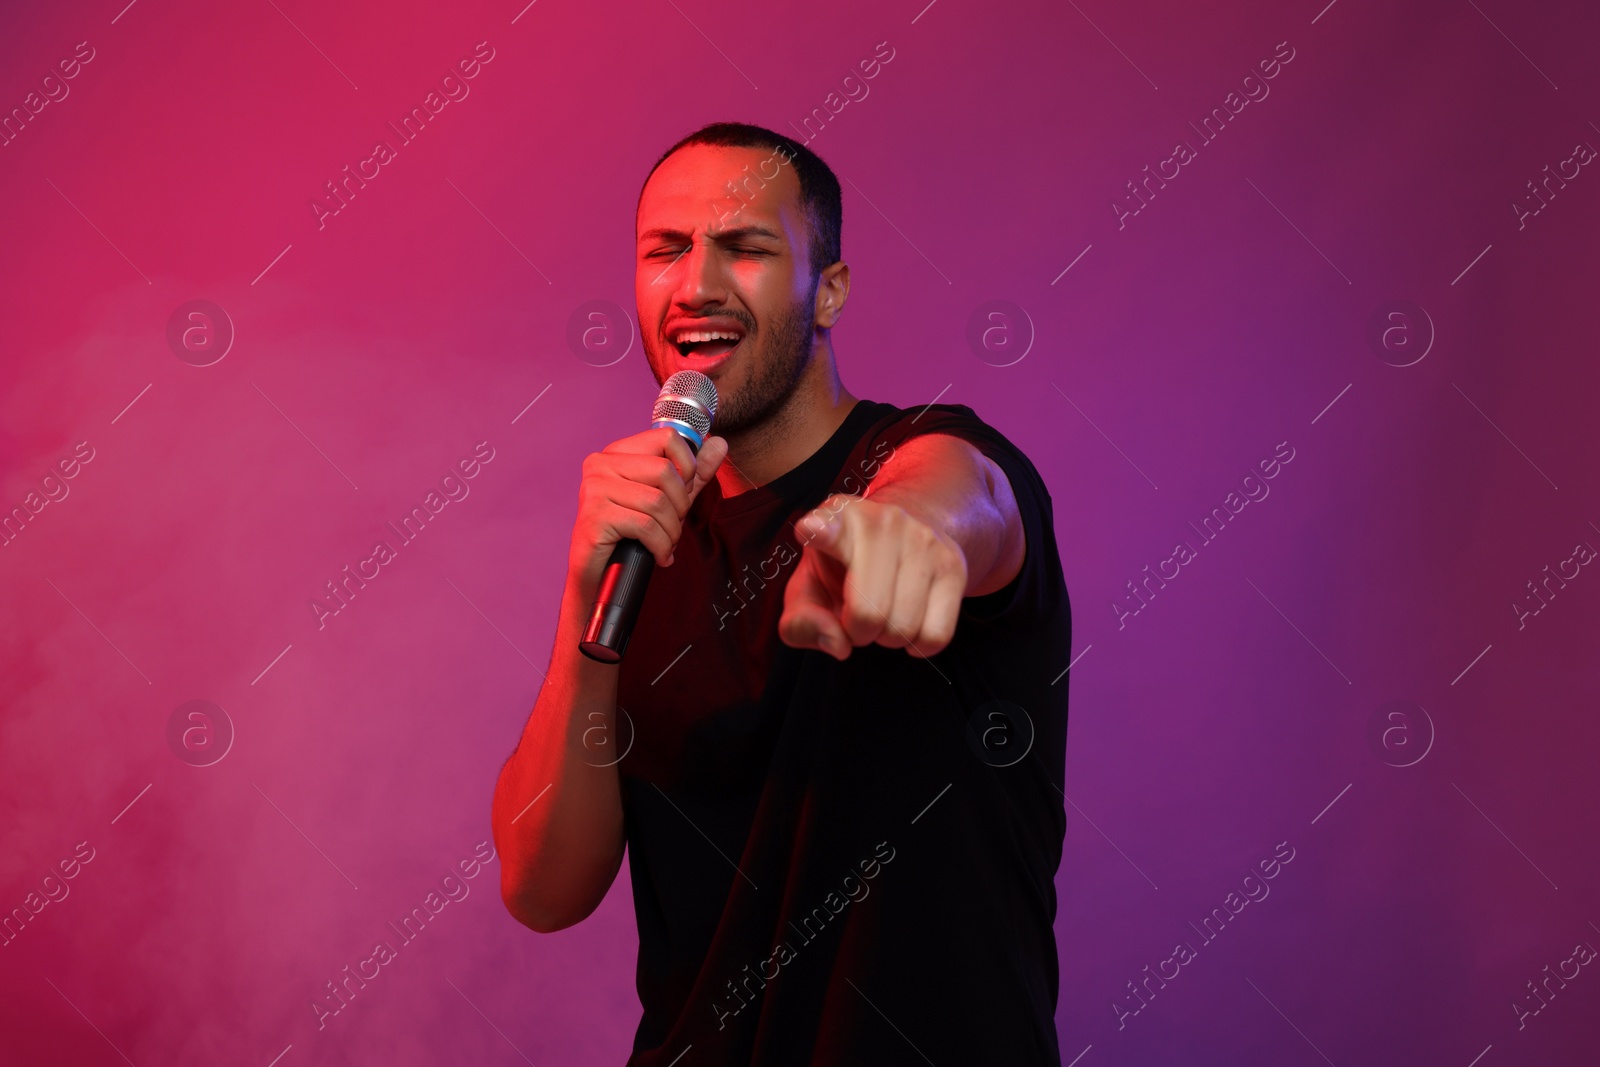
x=810, y=612
x=706, y=463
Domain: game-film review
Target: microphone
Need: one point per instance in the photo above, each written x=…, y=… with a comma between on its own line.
x=687, y=404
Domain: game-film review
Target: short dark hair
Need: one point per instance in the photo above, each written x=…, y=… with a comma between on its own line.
x=819, y=187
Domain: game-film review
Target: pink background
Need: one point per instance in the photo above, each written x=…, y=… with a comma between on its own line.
x=1234, y=712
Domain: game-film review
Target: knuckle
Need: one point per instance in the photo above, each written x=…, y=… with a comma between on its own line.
x=958, y=566
x=862, y=617
x=940, y=624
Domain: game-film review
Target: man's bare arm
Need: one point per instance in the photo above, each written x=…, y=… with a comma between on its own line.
x=557, y=811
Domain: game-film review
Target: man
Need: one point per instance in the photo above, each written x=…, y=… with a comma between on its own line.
x=833, y=749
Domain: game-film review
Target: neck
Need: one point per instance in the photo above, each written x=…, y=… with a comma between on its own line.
x=789, y=436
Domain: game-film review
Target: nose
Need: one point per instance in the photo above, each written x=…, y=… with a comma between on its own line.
x=700, y=279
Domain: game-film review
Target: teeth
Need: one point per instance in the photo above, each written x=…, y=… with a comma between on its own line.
x=695, y=336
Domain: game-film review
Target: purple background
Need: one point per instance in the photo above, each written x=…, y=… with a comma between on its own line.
x=1223, y=318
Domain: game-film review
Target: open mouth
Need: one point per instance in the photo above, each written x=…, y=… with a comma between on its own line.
x=706, y=345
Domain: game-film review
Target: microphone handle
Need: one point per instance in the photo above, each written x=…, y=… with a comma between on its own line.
x=617, y=604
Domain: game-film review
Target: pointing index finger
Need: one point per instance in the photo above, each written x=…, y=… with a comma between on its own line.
x=825, y=528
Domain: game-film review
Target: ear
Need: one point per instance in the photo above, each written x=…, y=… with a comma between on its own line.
x=833, y=289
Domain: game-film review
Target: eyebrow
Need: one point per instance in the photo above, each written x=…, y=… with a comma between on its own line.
x=738, y=233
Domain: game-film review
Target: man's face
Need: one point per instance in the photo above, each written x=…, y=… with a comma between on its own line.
x=712, y=262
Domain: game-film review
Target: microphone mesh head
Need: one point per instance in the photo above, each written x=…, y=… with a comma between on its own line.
x=688, y=397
